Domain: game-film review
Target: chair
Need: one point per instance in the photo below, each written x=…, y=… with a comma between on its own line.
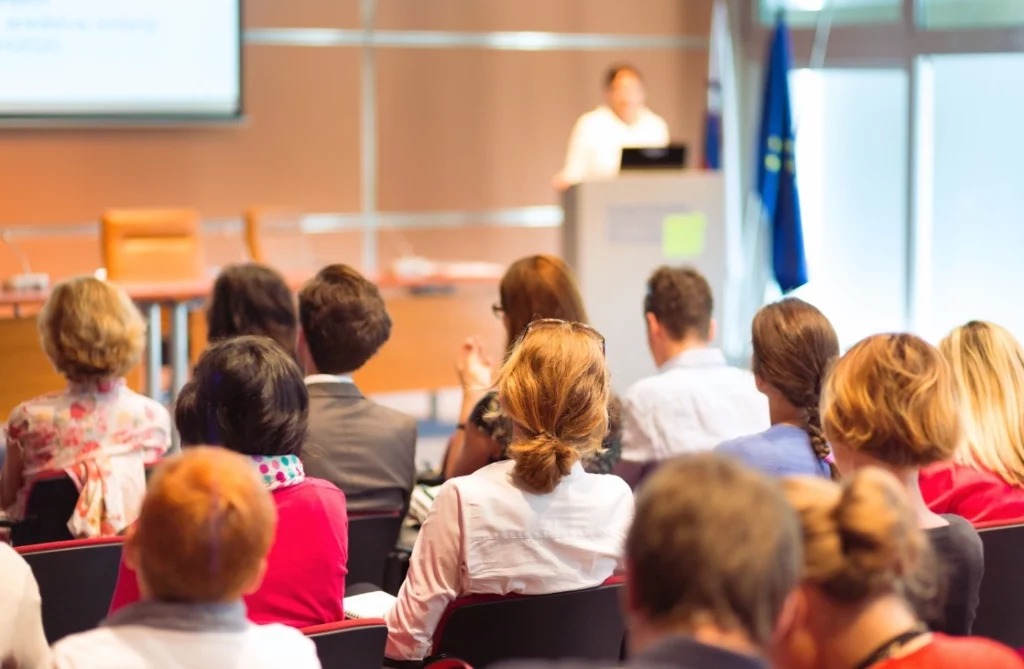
x=49, y=503
x=352, y=644
x=584, y=624
x=448, y=663
x=1001, y=608
x=371, y=538
x=144, y=245
x=76, y=582
x=276, y=238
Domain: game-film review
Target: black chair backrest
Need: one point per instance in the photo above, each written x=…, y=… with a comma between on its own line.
x=76, y=583
x=1001, y=608
x=51, y=501
x=371, y=538
x=585, y=624
x=354, y=648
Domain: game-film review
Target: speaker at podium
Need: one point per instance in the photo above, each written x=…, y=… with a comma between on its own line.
x=617, y=232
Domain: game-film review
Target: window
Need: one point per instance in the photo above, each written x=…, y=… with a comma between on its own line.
x=974, y=108
x=939, y=14
x=807, y=12
x=852, y=173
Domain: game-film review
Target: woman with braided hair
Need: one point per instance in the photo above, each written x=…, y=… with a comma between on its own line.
x=794, y=347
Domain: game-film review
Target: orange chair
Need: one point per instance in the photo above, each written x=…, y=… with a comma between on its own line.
x=145, y=245
x=275, y=238
x=152, y=246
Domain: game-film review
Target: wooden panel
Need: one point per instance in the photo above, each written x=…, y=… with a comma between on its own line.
x=465, y=129
x=301, y=13
x=470, y=243
x=27, y=369
x=425, y=339
x=655, y=17
x=299, y=148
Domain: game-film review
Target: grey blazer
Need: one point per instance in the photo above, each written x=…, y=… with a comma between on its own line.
x=367, y=450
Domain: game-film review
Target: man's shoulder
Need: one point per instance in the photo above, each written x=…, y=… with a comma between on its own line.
x=685, y=379
x=382, y=418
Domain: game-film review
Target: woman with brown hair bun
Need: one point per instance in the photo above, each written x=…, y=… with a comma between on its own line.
x=536, y=523
x=539, y=286
x=867, y=566
x=794, y=347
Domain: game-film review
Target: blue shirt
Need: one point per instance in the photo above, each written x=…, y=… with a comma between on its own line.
x=781, y=450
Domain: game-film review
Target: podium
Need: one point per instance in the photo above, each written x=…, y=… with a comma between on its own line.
x=617, y=232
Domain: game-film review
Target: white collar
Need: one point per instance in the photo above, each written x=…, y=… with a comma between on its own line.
x=328, y=378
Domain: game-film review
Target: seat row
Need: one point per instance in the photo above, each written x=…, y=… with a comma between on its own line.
x=480, y=629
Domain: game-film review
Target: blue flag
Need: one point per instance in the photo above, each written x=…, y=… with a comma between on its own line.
x=776, y=172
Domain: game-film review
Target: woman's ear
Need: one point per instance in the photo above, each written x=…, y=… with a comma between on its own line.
x=793, y=645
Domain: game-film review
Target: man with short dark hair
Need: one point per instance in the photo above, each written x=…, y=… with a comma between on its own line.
x=714, y=595
x=624, y=121
x=365, y=449
x=696, y=400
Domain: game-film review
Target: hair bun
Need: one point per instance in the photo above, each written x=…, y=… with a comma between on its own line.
x=876, y=529
x=542, y=461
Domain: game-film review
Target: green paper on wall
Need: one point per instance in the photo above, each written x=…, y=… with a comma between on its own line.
x=682, y=235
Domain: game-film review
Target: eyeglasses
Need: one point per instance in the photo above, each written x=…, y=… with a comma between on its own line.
x=498, y=310
x=572, y=325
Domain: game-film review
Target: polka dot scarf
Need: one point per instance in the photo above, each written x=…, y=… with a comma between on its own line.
x=279, y=471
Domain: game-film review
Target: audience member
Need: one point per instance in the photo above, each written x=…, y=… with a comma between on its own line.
x=367, y=450
x=248, y=396
x=535, y=524
x=540, y=286
x=252, y=299
x=794, y=347
x=201, y=543
x=97, y=430
x=864, y=561
x=892, y=402
x=984, y=482
x=695, y=401
x=22, y=642
x=714, y=595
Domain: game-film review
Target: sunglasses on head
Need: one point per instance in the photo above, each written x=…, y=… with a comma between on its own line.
x=572, y=325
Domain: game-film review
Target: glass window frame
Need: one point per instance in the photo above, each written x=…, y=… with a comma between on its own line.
x=905, y=45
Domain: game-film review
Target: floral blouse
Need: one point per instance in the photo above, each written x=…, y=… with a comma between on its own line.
x=489, y=419
x=101, y=434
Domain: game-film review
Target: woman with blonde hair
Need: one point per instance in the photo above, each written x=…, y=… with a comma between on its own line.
x=984, y=482
x=535, y=287
x=536, y=523
x=96, y=430
x=892, y=402
x=867, y=570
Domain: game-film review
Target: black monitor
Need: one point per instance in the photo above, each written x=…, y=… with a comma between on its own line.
x=671, y=157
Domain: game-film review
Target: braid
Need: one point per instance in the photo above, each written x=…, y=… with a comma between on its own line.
x=818, y=443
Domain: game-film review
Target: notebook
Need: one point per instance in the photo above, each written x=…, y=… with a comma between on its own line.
x=368, y=605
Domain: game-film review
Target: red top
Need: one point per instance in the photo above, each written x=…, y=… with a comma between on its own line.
x=946, y=652
x=305, y=580
x=981, y=497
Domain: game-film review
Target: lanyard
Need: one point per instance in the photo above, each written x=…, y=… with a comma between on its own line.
x=891, y=647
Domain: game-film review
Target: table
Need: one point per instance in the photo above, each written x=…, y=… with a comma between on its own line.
x=429, y=326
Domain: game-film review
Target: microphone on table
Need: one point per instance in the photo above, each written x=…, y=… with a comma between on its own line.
x=27, y=280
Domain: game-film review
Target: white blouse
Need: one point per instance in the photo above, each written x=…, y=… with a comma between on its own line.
x=486, y=535
x=21, y=619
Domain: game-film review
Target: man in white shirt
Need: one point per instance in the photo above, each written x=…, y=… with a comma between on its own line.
x=696, y=400
x=595, y=148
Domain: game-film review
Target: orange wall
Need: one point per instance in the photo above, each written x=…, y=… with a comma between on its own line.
x=458, y=129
